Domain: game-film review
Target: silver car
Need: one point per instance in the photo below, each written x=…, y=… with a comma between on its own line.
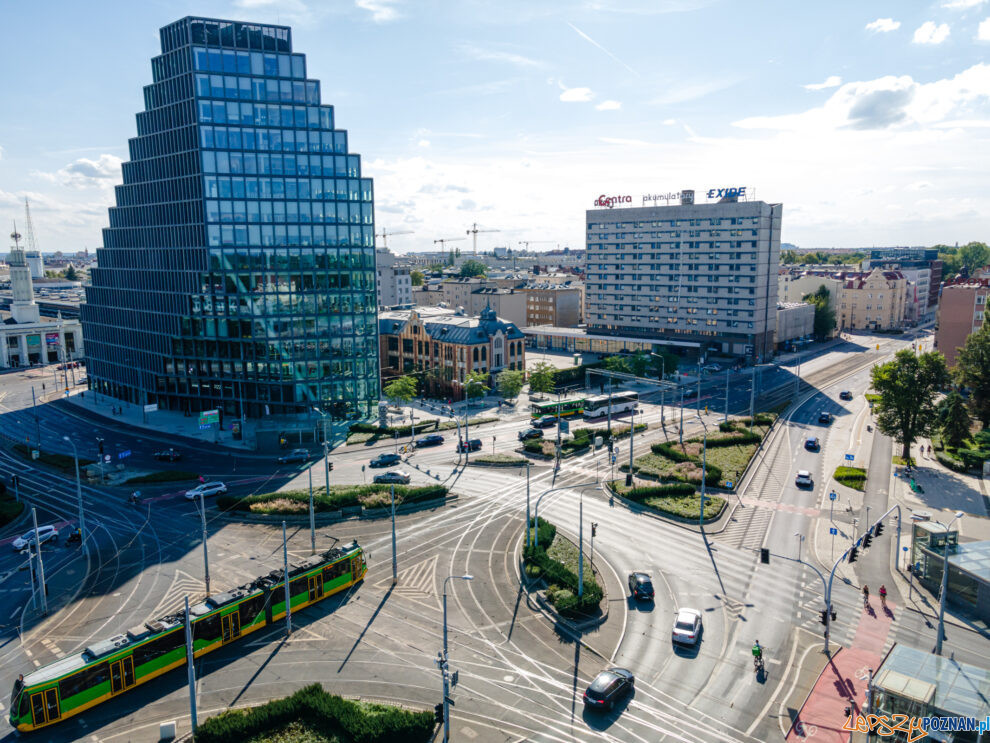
x=45, y=534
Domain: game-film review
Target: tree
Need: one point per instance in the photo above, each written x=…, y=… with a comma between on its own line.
x=907, y=387
x=616, y=364
x=973, y=372
x=474, y=385
x=402, y=389
x=70, y=273
x=638, y=363
x=542, y=377
x=668, y=366
x=510, y=382
x=824, y=322
x=473, y=268
x=953, y=419
x=416, y=277
x=974, y=256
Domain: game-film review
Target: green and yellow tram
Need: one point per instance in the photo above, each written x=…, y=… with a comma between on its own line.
x=108, y=668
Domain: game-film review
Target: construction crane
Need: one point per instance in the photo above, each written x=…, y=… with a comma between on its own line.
x=443, y=244
x=32, y=244
x=474, y=233
x=527, y=243
x=384, y=235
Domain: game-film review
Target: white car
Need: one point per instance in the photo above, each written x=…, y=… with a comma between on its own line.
x=803, y=479
x=45, y=534
x=687, y=627
x=207, y=489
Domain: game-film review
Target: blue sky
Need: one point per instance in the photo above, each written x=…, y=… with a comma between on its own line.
x=869, y=121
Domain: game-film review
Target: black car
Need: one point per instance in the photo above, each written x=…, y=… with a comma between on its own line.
x=434, y=439
x=641, y=586
x=296, y=455
x=825, y=418
x=812, y=443
x=845, y=395
x=168, y=455
x=530, y=433
x=384, y=460
x=469, y=445
x=608, y=688
x=547, y=421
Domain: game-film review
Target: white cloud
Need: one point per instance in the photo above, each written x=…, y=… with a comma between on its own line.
x=423, y=143
x=832, y=81
x=883, y=25
x=576, y=95
x=983, y=32
x=931, y=33
x=85, y=173
x=491, y=55
x=609, y=105
x=962, y=4
x=382, y=11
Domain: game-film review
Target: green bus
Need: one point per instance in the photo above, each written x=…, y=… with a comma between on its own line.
x=106, y=669
x=573, y=406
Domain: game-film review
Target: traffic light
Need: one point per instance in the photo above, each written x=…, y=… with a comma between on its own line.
x=438, y=713
x=833, y=615
x=765, y=556
x=594, y=529
x=14, y=480
x=879, y=528
x=610, y=446
x=99, y=443
x=853, y=553
x=330, y=466
x=824, y=615
x=867, y=539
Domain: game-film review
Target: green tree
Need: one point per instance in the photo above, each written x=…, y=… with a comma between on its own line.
x=824, y=322
x=974, y=256
x=907, y=387
x=973, y=371
x=416, y=277
x=616, y=364
x=789, y=256
x=542, y=378
x=473, y=268
x=474, y=384
x=402, y=389
x=669, y=365
x=71, y=274
x=953, y=419
x=638, y=363
x=510, y=382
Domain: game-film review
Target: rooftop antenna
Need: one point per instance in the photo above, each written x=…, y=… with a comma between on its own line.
x=32, y=245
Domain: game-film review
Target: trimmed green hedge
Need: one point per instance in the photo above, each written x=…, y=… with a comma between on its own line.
x=680, y=500
x=561, y=581
x=326, y=713
x=436, y=424
x=498, y=459
x=340, y=496
x=853, y=477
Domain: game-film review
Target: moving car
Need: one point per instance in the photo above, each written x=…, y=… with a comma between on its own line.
x=395, y=476
x=825, y=418
x=530, y=433
x=296, y=455
x=384, y=460
x=434, y=439
x=845, y=395
x=812, y=443
x=547, y=421
x=469, y=445
x=641, y=586
x=206, y=489
x=45, y=534
x=687, y=627
x=609, y=687
x=169, y=455
x=803, y=479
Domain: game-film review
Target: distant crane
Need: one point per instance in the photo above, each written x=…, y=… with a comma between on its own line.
x=443, y=244
x=384, y=235
x=527, y=243
x=474, y=233
x=32, y=244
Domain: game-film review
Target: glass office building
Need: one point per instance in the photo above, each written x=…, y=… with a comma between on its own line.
x=238, y=270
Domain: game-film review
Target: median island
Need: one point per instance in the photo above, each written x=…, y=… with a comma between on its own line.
x=293, y=502
x=555, y=563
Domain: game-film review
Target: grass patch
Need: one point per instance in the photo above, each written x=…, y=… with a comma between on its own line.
x=852, y=477
x=872, y=397
x=340, y=496
x=10, y=509
x=899, y=460
x=566, y=553
x=361, y=433
x=61, y=462
x=680, y=500
x=499, y=459
x=294, y=732
x=558, y=567
x=162, y=476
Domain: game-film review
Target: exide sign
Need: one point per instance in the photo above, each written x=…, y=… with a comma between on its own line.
x=719, y=193
x=611, y=201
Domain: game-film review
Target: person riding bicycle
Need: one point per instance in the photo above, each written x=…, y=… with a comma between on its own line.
x=757, y=653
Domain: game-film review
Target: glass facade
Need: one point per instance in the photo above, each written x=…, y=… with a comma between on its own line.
x=238, y=270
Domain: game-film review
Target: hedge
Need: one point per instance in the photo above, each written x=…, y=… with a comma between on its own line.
x=340, y=496
x=435, y=424
x=973, y=458
x=947, y=460
x=324, y=712
x=560, y=577
x=680, y=500
x=853, y=477
x=499, y=459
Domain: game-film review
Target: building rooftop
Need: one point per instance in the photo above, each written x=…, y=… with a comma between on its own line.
x=449, y=325
x=950, y=687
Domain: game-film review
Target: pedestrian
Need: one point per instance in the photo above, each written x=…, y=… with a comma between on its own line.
x=866, y=595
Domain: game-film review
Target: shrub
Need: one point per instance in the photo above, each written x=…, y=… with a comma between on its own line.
x=677, y=488
x=10, y=509
x=558, y=576
x=947, y=460
x=853, y=477
x=726, y=426
x=973, y=457
x=340, y=496
x=533, y=571
x=534, y=445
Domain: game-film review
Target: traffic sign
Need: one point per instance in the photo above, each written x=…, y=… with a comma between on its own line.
x=833, y=495
x=833, y=531
x=728, y=484
x=850, y=457
x=123, y=454
x=106, y=458
x=209, y=416
x=565, y=427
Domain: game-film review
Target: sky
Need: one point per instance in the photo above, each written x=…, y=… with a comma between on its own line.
x=870, y=121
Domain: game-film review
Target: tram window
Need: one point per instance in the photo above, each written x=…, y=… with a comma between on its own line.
x=251, y=608
x=207, y=628
x=334, y=571
x=86, y=679
x=38, y=708
x=298, y=585
x=159, y=647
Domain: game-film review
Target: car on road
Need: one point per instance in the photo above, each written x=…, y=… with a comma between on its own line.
x=609, y=687
x=687, y=627
x=812, y=443
x=206, y=490
x=25, y=541
x=845, y=395
x=394, y=477
x=641, y=586
x=433, y=439
x=712, y=368
x=82, y=380
x=825, y=418
x=384, y=460
x=803, y=479
x=530, y=433
x=296, y=455
x=547, y=421
x=168, y=455
x=469, y=445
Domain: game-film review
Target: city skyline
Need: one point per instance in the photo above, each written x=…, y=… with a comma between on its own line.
x=867, y=124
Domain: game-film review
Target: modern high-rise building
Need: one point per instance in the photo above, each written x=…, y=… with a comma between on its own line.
x=238, y=270
x=701, y=277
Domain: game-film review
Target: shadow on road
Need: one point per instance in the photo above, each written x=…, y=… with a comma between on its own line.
x=364, y=630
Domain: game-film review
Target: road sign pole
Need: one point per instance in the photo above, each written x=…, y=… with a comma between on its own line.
x=285, y=581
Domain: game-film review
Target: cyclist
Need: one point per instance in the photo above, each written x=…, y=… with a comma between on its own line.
x=866, y=595
x=757, y=654
x=883, y=596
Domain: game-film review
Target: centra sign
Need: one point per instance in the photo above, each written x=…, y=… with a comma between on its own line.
x=610, y=201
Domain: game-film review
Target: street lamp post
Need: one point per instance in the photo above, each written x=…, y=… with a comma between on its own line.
x=945, y=583
x=536, y=506
x=726, y=419
x=528, y=522
x=444, y=668
x=680, y=428
x=326, y=451
x=82, y=517
x=704, y=473
x=581, y=545
x=41, y=564
x=395, y=557
x=206, y=549
x=800, y=538
x=632, y=428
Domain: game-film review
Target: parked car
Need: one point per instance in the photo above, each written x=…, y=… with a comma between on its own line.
x=803, y=479
x=812, y=443
x=433, y=439
x=82, y=380
x=530, y=433
x=45, y=534
x=687, y=627
x=547, y=421
x=296, y=455
x=384, y=460
x=394, y=477
x=168, y=455
x=608, y=688
x=641, y=586
x=825, y=418
x=845, y=395
x=469, y=445
x=206, y=489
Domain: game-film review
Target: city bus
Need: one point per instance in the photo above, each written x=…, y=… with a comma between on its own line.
x=108, y=668
x=622, y=402
x=573, y=406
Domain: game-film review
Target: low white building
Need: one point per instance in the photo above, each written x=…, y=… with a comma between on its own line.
x=794, y=320
x=394, y=281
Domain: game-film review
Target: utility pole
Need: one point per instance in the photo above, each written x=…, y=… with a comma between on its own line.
x=632, y=429
x=528, y=522
x=610, y=407
x=285, y=581
x=312, y=515
x=581, y=545
x=206, y=549
x=680, y=428
x=726, y=395
x=41, y=564
x=190, y=658
x=395, y=557
x=704, y=476
x=474, y=234
x=752, y=398
x=79, y=500
x=556, y=466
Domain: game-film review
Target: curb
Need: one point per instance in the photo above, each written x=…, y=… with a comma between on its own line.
x=333, y=517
